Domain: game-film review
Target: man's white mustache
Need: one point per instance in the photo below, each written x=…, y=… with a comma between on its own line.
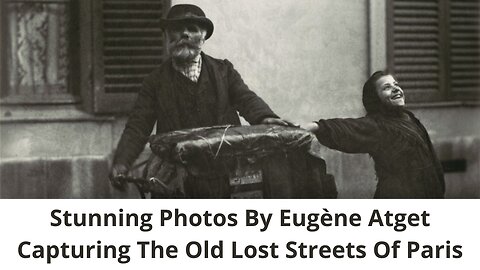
x=193, y=44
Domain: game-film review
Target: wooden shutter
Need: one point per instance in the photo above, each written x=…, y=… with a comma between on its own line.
x=127, y=45
x=415, y=49
x=465, y=49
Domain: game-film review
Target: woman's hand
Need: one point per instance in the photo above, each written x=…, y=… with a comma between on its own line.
x=312, y=127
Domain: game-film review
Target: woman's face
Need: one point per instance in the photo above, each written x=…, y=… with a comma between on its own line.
x=389, y=91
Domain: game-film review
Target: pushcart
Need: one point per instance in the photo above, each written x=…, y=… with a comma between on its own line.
x=263, y=161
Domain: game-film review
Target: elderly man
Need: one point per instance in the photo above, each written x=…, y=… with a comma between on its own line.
x=189, y=90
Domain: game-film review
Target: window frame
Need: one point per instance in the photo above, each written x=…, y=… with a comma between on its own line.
x=86, y=74
x=445, y=94
x=92, y=84
x=92, y=74
x=73, y=94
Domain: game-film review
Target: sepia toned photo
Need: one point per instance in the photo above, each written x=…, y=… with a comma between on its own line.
x=225, y=99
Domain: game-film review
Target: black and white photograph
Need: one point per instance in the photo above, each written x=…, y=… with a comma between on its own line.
x=239, y=134
x=240, y=99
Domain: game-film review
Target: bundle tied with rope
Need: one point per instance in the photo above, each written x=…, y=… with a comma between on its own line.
x=264, y=161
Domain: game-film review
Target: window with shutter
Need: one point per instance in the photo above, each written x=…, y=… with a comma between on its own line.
x=465, y=48
x=37, y=52
x=433, y=48
x=414, y=48
x=129, y=44
x=96, y=52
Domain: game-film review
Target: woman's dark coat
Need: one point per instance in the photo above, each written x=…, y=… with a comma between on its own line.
x=405, y=161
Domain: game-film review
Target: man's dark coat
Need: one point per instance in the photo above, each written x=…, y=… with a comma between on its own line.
x=156, y=103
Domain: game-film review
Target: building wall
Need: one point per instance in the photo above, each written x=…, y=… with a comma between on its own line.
x=55, y=152
x=303, y=57
x=308, y=59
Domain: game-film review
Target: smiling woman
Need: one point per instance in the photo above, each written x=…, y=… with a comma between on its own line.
x=405, y=162
x=390, y=92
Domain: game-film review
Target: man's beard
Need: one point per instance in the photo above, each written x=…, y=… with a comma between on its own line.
x=185, y=51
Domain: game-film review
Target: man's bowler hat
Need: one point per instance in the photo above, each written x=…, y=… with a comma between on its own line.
x=187, y=14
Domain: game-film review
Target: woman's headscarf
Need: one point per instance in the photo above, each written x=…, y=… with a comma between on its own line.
x=370, y=98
